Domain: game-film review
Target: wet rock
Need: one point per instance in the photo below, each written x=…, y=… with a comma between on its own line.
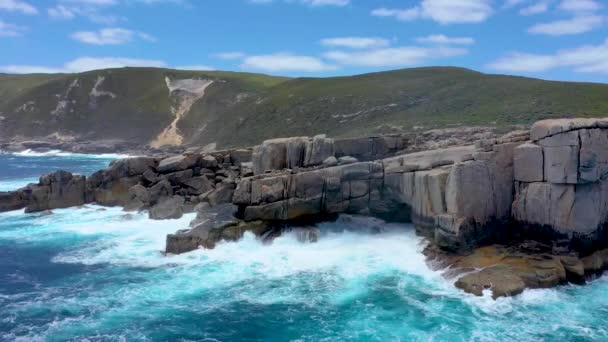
x=505, y=270
x=206, y=229
x=171, y=208
x=307, y=234
x=139, y=198
x=46, y=213
x=13, y=200
x=57, y=190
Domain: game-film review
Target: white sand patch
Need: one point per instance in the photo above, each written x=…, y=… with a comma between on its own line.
x=63, y=102
x=95, y=92
x=187, y=92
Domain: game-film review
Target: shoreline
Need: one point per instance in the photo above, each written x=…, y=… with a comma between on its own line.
x=465, y=199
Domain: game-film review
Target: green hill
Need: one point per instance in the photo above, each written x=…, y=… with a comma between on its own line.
x=239, y=109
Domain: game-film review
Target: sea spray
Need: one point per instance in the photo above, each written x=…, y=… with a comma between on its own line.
x=99, y=274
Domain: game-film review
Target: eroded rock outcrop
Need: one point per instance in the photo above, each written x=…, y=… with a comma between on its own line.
x=549, y=185
x=561, y=183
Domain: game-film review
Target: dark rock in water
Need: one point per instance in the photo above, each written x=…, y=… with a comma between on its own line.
x=168, y=209
x=106, y=190
x=46, y=213
x=178, y=163
x=57, y=190
x=212, y=224
x=160, y=191
x=13, y=200
x=307, y=234
x=139, y=198
x=127, y=217
x=508, y=270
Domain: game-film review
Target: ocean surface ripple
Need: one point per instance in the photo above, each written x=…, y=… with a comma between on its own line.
x=97, y=274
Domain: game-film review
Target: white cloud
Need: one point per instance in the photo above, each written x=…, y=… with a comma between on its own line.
x=443, y=39
x=62, y=12
x=356, y=42
x=442, y=11
x=313, y=3
x=513, y=3
x=93, y=2
x=523, y=62
x=110, y=36
x=10, y=30
x=195, y=67
x=586, y=58
x=576, y=25
x=399, y=14
x=537, y=8
x=281, y=62
x=393, y=57
x=326, y=2
x=580, y=5
x=84, y=64
x=18, y=6
x=230, y=55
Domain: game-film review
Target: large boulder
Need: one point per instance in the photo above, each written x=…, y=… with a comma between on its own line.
x=60, y=189
x=171, y=208
x=130, y=167
x=222, y=194
x=528, y=163
x=178, y=163
x=198, y=185
x=240, y=156
x=547, y=128
x=272, y=154
x=13, y=200
x=320, y=148
x=593, y=159
x=160, y=191
x=139, y=198
x=212, y=224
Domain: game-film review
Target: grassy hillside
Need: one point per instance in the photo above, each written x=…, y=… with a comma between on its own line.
x=241, y=109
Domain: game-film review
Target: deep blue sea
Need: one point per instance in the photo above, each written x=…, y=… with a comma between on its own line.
x=91, y=274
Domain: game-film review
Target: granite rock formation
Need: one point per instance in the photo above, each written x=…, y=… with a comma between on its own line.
x=524, y=210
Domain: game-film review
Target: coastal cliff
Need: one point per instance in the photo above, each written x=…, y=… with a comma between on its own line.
x=524, y=210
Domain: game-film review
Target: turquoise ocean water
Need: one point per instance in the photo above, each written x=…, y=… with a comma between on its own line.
x=91, y=274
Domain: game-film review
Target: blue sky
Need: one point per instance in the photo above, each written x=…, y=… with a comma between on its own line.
x=551, y=39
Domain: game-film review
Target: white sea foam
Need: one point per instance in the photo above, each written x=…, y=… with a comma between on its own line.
x=60, y=153
x=10, y=185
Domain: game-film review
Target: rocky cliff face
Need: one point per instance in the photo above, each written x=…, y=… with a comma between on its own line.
x=561, y=182
x=548, y=185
